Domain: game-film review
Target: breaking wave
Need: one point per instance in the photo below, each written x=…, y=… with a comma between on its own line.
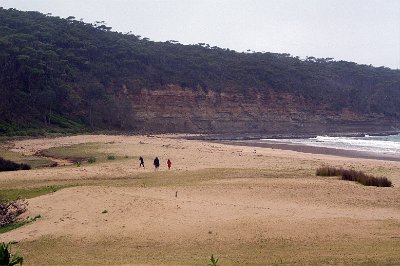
x=378, y=144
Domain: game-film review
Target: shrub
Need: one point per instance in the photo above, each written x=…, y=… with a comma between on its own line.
x=353, y=175
x=92, y=159
x=8, y=259
x=10, y=210
x=110, y=157
x=329, y=171
x=366, y=180
x=6, y=165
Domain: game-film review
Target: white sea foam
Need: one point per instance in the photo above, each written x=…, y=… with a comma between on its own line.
x=377, y=144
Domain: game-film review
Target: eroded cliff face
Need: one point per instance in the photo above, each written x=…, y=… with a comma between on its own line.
x=177, y=109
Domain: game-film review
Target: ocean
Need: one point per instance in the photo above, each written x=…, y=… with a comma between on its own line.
x=377, y=144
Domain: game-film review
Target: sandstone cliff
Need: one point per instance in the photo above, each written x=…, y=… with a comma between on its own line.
x=177, y=109
x=63, y=75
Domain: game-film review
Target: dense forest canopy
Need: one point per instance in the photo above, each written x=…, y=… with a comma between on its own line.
x=59, y=72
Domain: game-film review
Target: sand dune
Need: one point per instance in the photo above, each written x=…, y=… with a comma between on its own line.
x=240, y=202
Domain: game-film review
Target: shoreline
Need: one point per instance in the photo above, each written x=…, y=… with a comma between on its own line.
x=313, y=150
x=258, y=136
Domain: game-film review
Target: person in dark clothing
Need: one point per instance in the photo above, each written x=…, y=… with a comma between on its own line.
x=141, y=162
x=169, y=163
x=156, y=163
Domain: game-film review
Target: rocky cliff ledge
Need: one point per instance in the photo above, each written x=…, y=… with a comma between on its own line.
x=177, y=109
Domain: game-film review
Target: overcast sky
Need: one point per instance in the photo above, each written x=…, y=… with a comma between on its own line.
x=363, y=31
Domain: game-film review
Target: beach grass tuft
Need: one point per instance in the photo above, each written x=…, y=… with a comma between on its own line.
x=353, y=175
x=92, y=159
x=110, y=157
x=329, y=171
x=364, y=179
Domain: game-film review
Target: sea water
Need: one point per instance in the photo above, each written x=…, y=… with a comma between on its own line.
x=377, y=144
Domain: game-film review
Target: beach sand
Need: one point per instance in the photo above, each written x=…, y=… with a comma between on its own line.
x=244, y=204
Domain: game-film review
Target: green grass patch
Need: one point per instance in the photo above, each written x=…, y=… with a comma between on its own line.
x=77, y=152
x=13, y=226
x=33, y=161
x=16, y=225
x=86, y=152
x=27, y=193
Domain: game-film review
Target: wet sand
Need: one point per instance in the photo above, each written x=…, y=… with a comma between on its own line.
x=315, y=150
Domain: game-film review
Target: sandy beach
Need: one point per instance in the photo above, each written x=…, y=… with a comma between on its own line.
x=244, y=204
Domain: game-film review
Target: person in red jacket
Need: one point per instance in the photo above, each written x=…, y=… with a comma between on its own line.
x=169, y=163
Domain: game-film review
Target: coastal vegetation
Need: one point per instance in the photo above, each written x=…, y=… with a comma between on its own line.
x=18, y=224
x=34, y=161
x=366, y=180
x=10, y=194
x=65, y=75
x=7, y=165
x=353, y=175
x=10, y=210
x=79, y=153
x=329, y=171
x=213, y=261
x=6, y=256
x=13, y=203
x=110, y=157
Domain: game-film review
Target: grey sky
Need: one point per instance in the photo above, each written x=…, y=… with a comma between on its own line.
x=363, y=31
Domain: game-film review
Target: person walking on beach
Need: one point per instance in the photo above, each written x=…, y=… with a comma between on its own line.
x=156, y=163
x=141, y=162
x=169, y=163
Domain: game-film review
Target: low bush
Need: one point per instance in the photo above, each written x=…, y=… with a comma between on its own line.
x=329, y=171
x=92, y=159
x=6, y=165
x=366, y=180
x=110, y=157
x=10, y=210
x=356, y=176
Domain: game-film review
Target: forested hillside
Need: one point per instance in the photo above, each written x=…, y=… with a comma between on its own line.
x=66, y=74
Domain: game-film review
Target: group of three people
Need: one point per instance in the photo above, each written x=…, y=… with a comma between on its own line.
x=156, y=163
